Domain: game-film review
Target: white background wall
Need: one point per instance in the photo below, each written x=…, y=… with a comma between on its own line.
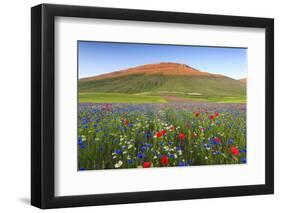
x=15, y=105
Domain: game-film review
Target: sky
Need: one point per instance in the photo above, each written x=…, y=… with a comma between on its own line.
x=95, y=58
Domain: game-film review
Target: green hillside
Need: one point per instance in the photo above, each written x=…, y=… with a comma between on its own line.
x=202, y=88
x=119, y=98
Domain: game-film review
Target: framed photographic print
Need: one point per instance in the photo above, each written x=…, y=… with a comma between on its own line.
x=139, y=106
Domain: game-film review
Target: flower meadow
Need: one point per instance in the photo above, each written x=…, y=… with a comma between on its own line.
x=118, y=136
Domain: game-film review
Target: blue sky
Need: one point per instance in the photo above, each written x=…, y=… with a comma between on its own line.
x=96, y=58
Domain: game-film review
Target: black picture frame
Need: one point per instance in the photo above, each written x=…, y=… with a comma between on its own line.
x=43, y=111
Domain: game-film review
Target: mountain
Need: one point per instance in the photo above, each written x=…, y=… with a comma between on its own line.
x=164, y=68
x=165, y=80
x=243, y=80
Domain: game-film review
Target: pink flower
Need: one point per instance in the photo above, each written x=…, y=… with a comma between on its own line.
x=217, y=140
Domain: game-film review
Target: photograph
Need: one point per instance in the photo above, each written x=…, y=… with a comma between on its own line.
x=160, y=105
x=133, y=105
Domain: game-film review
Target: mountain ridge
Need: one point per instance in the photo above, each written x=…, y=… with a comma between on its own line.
x=166, y=80
x=165, y=68
x=243, y=80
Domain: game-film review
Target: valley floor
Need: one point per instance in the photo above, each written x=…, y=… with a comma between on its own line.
x=155, y=98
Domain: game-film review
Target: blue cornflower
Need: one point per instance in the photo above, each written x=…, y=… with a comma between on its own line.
x=179, y=148
x=130, y=161
x=118, y=151
x=243, y=160
x=84, y=121
x=230, y=141
x=81, y=169
x=182, y=164
x=80, y=142
x=171, y=155
x=140, y=155
x=206, y=145
x=149, y=145
x=243, y=150
x=82, y=146
x=143, y=148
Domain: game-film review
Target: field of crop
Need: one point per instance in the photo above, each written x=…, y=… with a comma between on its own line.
x=127, y=135
x=160, y=97
x=119, y=98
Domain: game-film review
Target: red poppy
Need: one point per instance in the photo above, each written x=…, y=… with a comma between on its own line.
x=182, y=136
x=165, y=160
x=234, y=150
x=146, y=164
x=159, y=134
x=218, y=140
x=164, y=131
x=197, y=114
x=126, y=122
x=212, y=117
x=217, y=114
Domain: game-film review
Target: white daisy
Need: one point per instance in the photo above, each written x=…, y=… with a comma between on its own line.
x=118, y=164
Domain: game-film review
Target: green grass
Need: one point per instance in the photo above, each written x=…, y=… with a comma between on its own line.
x=118, y=98
x=241, y=99
x=151, y=98
x=219, y=99
x=153, y=84
x=142, y=88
